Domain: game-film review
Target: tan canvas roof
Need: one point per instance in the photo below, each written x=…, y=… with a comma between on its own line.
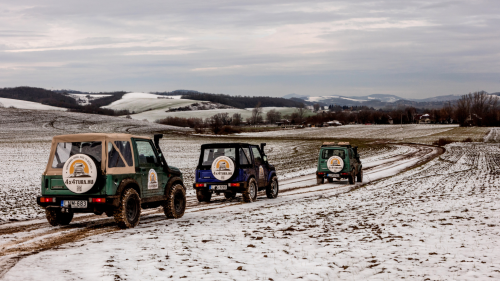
x=103, y=137
x=93, y=136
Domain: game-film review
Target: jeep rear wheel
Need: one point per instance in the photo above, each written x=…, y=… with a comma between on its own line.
x=360, y=176
x=351, y=178
x=128, y=213
x=250, y=194
x=176, y=202
x=229, y=195
x=203, y=195
x=320, y=180
x=273, y=188
x=55, y=217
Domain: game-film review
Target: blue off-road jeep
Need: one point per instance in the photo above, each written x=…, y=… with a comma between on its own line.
x=232, y=168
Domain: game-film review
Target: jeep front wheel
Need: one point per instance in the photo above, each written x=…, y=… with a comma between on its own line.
x=273, y=188
x=203, y=195
x=250, y=194
x=176, y=202
x=128, y=213
x=55, y=217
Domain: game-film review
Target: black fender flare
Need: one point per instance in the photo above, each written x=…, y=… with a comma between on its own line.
x=128, y=182
x=173, y=180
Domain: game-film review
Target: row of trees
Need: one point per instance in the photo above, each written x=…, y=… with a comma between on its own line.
x=473, y=109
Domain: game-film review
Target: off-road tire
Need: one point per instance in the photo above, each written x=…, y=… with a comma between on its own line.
x=229, y=195
x=250, y=194
x=272, y=189
x=203, y=195
x=176, y=202
x=352, y=178
x=109, y=212
x=359, y=177
x=128, y=213
x=55, y=217
x=320, y=180
x=330, y=180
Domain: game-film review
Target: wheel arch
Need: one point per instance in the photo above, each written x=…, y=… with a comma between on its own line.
x=172, y=181
x=128, y=183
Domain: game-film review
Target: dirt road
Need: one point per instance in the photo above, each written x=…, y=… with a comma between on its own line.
x=22, y=239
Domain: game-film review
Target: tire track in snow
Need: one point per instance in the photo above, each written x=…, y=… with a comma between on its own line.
x=38, y=236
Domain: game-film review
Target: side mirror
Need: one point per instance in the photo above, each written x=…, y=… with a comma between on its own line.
x=264, y=158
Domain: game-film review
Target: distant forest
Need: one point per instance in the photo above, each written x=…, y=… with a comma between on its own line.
x=242, y=101
x=60, y=99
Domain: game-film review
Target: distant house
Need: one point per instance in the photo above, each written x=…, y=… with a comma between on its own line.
x=425, y=119
x=389, y=119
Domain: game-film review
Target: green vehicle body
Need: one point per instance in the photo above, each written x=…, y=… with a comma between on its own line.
x=352, y=170
x=111, y=183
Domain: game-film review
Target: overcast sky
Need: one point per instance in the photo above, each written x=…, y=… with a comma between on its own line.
x=408, y=48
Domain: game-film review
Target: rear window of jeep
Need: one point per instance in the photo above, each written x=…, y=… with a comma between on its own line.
x=65, y=150
x=327, y=153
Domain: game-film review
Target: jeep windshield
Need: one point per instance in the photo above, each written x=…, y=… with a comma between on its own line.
x=327, y=153
x=65, y=150
x=210, y=154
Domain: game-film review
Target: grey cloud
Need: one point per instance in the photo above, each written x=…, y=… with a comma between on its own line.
x=258, y=47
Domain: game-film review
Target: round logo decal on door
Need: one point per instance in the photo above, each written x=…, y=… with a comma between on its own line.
x=79, y=173
x=335, y=164
x=222, y=168
x=152, y=179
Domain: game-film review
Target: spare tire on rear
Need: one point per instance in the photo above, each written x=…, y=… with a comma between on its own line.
x=80, y=173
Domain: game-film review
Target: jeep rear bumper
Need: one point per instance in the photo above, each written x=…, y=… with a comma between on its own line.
x=93, y=203
x=343, y=175
x=237, y=187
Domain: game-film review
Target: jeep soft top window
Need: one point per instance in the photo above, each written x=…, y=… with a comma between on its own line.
x=327, y=153
x=209, y=154
x=245, y=156
x=64, y=150
x=146, y=153
x=114, y=158
x=257, y=158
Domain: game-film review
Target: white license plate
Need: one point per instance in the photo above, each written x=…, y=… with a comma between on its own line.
x=333, y=175
x=77, y=204
x=218, y=187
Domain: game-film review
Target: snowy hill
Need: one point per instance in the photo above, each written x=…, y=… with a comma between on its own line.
x=22, y=104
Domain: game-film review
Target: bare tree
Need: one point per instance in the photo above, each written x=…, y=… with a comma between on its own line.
x=237, y=119
x=256, y=114
x=273, y=116
x=301, y=113
x=316, y=107
x=462, y=110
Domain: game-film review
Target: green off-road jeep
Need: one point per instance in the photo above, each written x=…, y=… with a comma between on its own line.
x=116, y=174
x=338, y=161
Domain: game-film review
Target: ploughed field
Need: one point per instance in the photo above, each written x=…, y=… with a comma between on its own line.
x=437, y=221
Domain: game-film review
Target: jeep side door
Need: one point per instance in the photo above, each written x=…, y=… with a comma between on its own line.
x=147, y=158
x=261, y=170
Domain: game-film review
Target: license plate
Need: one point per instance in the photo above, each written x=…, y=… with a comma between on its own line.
x=218, y=187
x=77, y=204
x=333, y=175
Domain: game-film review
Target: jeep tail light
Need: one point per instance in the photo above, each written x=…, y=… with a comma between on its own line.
x=345, y=174
x=201, y=185
x=47, y=200
x=98, y=200
x=234, y=184
x=321, y=173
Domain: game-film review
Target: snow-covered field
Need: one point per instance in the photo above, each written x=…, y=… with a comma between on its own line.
x=139, y=102
x=245, y=113
x=22, y=104
x=438, y=221
x=85, y=99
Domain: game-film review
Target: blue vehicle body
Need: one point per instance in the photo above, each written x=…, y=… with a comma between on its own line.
x=249, y=162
